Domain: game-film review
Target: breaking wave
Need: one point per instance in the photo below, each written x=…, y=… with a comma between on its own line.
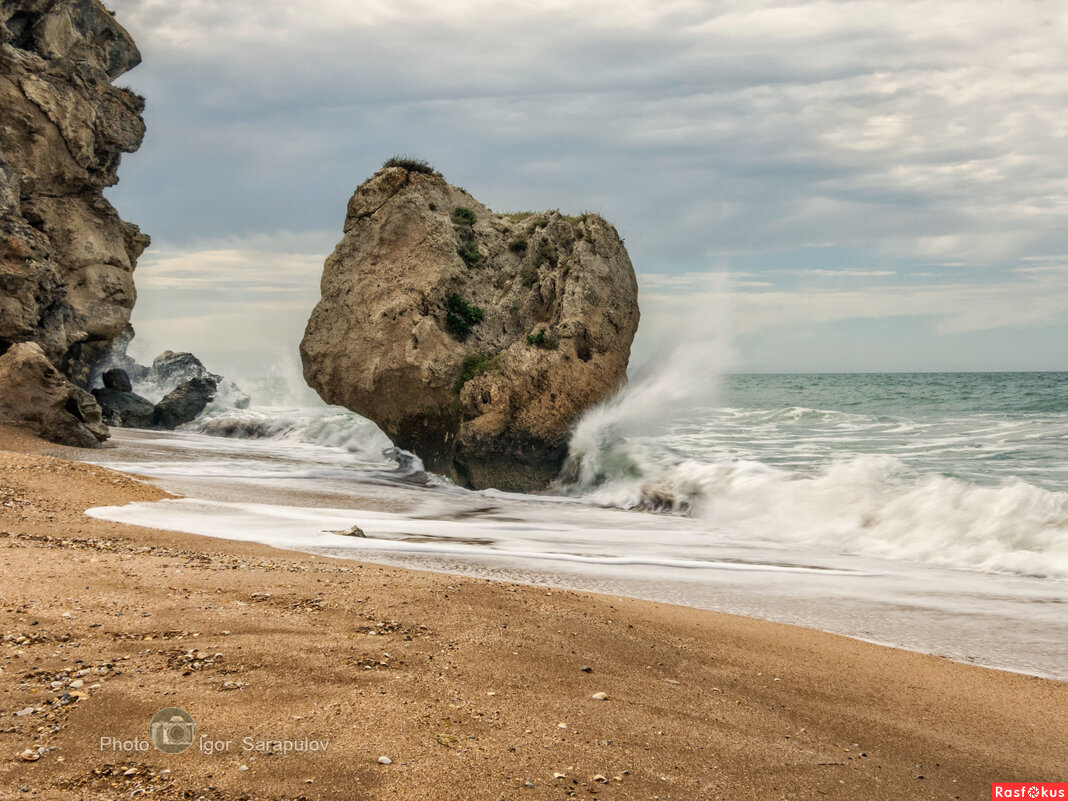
x=628, y=453
x=329, y=426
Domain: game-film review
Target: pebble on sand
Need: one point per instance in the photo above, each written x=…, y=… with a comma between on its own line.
x=385, y=760
x=600, y=696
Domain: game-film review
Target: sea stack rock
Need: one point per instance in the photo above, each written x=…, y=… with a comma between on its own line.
x=66, y=259
x=473, y=339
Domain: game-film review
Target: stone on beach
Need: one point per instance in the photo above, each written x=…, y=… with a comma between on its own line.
x=40, y=398
x=184, y=403
x=473, y=339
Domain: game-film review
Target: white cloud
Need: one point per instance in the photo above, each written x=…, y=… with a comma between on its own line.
x=957, y=308
x=920, y=136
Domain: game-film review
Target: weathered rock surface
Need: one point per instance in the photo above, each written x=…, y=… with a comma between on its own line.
x=66, y=259
x=471, y=338
x=117, y=379
x=37, y=396
x=124, y=408
x=117, y=359
x=182, y=404
x=170, y=369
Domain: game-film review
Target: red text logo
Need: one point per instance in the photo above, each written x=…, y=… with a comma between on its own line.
x=1029, y=790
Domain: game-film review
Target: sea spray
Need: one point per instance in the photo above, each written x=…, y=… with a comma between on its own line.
x=609, y=438
x=329, y=425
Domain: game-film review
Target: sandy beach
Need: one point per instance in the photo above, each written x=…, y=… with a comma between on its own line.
x=301, y=672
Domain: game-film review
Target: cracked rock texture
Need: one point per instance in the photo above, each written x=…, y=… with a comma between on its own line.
x=471, y=338
x=36, y=396
x=66, y=258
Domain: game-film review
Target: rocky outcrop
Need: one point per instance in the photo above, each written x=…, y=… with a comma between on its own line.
x=170, y=369
x=66, y=259
x=471, y=338
x=38, y=397
x=180, y=381
x=117, y=379
x=124, y=408
x=182, y=404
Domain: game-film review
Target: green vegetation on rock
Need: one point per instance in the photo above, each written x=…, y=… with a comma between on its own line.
x=545, y=254
x=542, y=340
x=528, y=274
x=468, y=251
x=463, y=216
x=473, y=366
x=460, y=316
x=409, y=163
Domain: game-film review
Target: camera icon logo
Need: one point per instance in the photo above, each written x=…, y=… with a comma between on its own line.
x=172, y=730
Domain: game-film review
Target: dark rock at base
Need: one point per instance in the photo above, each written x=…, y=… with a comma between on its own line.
x=171, y=369
x=37, y=396
x=184, y=403
x=125, y=409
x=117, y=379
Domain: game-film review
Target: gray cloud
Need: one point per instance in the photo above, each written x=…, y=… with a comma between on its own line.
x=736, y=135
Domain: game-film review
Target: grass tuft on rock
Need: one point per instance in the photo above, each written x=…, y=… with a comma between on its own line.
x=545, y=254
x=528, y=274
x=473, y=366
x=518, y=245
x=542, y=340
x=462, y=215
x=468, y=251
x=409, y=163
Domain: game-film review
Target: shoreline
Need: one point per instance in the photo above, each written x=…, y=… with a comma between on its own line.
x=479, y=676
x=997, y=620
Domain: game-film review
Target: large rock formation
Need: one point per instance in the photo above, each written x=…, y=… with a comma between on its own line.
x=66, y=259
x=471, y=338
x=36, y=396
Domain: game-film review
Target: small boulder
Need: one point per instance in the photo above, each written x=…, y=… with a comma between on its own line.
x=172, y=369
x=125, y=409
x=37, y=396
x=182, y=404
x=117, y=379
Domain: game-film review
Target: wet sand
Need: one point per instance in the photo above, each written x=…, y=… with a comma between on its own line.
x=472, y=689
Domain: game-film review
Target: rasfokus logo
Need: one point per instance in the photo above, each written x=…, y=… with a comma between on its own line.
x=1029, y=790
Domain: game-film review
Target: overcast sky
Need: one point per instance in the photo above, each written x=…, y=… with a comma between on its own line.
x=837, y=185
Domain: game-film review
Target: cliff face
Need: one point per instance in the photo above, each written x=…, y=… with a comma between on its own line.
x=471, y=338
x=66, y=259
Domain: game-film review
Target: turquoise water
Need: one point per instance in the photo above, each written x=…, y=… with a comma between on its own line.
x=964, y=470
x=986, y=428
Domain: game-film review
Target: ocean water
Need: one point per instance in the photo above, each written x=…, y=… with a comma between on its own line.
x=927, y=511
